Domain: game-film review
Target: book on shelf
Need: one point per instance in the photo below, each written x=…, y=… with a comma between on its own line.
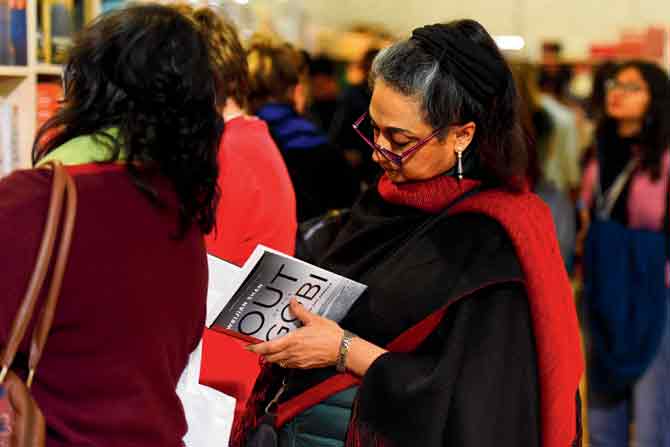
x=252, y=302
x=5, y=35
x=9, y=137
x=13, y=35
x=56, y=24
x=19, y=33
x=49, y=96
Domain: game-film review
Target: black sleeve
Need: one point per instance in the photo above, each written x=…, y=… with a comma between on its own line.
x=473, y=383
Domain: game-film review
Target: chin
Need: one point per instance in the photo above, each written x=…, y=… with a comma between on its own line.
x=396, y=176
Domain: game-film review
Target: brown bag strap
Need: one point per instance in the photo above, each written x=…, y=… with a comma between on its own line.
x=62, y=186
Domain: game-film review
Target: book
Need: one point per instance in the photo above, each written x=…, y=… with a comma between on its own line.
x=19, y=34
x=254, y=300
x=49, y=96
x=6, y=50
x=9, y=137
x=56, y=24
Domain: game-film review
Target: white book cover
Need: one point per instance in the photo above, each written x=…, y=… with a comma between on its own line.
x=255, y=301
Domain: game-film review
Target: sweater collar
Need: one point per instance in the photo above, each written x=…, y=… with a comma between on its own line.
x=84, y=149
x=431, y=196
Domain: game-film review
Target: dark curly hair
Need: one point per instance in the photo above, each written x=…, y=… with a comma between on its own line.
x=146, y=71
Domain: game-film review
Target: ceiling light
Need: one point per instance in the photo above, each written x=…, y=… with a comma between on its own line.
x=513, y=43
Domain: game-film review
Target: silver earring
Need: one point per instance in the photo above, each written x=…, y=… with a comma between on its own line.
x=459, y=169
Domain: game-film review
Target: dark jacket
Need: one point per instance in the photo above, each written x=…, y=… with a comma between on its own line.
x=322, y=178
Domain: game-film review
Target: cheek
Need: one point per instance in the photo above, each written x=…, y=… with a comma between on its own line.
x=431, y=163
x=641, y=106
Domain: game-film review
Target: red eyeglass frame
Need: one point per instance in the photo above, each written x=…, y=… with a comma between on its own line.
x=388, y=154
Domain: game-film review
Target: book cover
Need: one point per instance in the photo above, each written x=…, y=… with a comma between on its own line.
x=9, y=144
x=62, y=30
x=49, y=96
x=258, y=308
x=6, y=50
x=18, y=33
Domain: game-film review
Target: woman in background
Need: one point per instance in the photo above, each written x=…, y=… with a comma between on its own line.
x=138, y=132
x=623, y=207
x=322, y=178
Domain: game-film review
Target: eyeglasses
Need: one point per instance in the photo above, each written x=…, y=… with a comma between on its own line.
x=626, y=87
x=396, y=159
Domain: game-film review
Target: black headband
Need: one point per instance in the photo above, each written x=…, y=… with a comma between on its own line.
x=473, y=67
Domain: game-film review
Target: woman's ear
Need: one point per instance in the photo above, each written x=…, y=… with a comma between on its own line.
x=464, y=134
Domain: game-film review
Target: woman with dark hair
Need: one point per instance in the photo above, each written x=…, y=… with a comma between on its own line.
x=138, y=132
x=467, y=333
x=623, y=207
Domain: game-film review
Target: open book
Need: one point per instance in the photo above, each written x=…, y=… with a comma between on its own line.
x=254, y=300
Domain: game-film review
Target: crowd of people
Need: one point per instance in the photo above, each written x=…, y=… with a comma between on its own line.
x=476, y=192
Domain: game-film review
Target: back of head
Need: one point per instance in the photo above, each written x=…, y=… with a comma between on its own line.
x=274, y=71
x=458, y=75
x=228, y=55
x=145, y=71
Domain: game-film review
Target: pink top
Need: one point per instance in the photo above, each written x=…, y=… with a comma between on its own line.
x=646, y=198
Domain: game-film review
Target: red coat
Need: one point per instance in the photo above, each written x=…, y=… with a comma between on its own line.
x=257, y=200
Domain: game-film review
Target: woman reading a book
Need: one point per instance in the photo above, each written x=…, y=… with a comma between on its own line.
x=138, y=132
x=467, y=334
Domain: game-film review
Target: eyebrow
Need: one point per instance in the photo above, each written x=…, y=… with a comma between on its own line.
x=394, y=130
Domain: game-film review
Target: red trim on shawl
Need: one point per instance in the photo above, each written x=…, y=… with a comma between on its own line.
x=528, y=222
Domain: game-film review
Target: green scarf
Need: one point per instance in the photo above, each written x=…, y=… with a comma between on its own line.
x=83, y=150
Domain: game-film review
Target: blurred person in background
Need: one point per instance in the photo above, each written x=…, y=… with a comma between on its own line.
x=554, y=75
x=321, y=176
x=352, y=103
x=257, y=204
x=623, y=206
x=560, y=163
x=539, y=127
x=324, y=89
x=451, y=242
x=138, y=132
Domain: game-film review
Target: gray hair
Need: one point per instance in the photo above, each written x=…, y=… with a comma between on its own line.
x=412, y=72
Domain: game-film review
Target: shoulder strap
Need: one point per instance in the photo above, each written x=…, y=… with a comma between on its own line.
x=62, y=187
x=607, y=199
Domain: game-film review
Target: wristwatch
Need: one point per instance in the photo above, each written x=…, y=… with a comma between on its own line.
x=341, y=365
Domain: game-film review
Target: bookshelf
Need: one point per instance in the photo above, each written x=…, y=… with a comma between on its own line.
x=19, y=83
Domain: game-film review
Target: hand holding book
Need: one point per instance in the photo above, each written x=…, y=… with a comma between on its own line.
x=316, y=345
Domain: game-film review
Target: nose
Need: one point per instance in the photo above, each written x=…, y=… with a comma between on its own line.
x=382, y=141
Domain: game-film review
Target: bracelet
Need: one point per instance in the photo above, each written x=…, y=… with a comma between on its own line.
x=341, y=365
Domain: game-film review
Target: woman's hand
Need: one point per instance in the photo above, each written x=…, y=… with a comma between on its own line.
x=315, y=345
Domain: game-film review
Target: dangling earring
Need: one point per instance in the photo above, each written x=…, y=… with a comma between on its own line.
x=459, y=169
